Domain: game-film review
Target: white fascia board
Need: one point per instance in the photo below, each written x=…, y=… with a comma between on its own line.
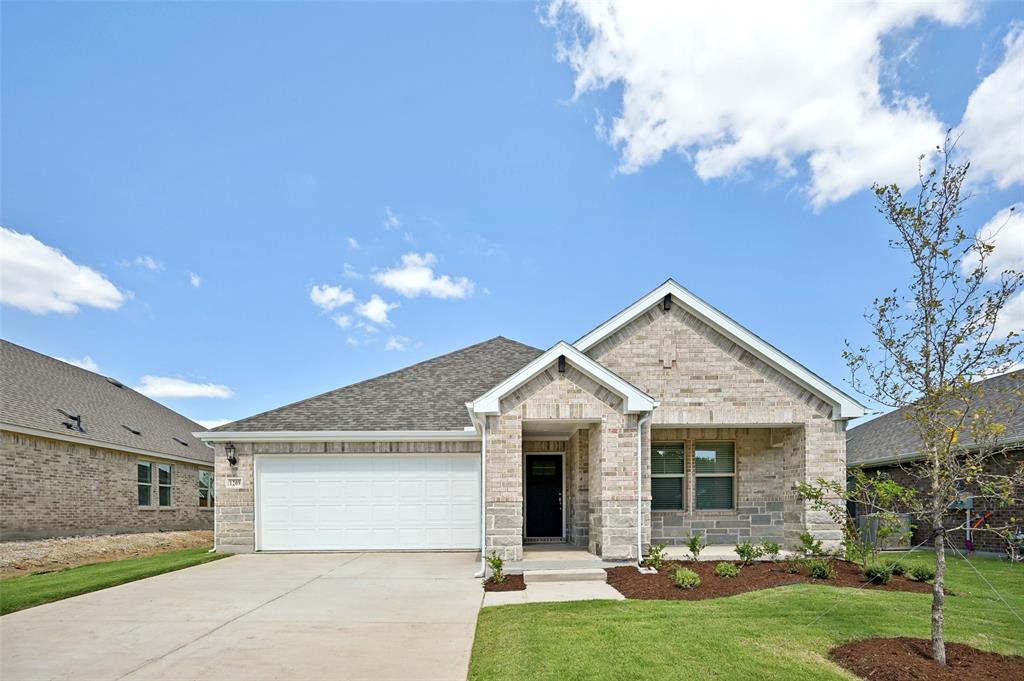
x=635, y=400
x=339, y=436
x=89, y=442
x=846, y=406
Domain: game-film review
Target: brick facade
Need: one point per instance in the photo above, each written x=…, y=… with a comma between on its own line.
x=53, y=488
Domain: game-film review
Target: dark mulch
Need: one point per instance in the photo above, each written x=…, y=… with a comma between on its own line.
x=511, y=583
x=910, y=659
x=631, y=583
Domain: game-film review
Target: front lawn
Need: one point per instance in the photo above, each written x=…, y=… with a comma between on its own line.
x=759, y=635
x=18, y=593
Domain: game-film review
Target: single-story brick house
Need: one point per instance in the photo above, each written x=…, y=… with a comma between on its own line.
x=668, y=419
x=889, y=446
x=82, y=453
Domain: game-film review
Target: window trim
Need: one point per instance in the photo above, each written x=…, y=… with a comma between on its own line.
x=169, y=485
x=682, y=476
x=732, y=508
x=147, y=485
x=211, y=500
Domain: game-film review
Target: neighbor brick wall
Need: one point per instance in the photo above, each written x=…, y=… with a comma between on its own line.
x=52, y=488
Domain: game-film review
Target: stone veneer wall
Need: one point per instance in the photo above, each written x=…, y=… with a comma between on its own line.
x=578, y=482
x=53, y=488
x=704, y=379
x=236, y=519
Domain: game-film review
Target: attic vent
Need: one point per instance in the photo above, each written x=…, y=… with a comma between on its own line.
x=180, y=441
x=131, y=430
x=114, y=382
x=74, y=421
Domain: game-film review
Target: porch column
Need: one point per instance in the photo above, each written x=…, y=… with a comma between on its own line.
x=815, y=451
x=613, y=488
x=504, y=493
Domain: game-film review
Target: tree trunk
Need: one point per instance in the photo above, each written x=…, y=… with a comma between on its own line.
x=939, y=595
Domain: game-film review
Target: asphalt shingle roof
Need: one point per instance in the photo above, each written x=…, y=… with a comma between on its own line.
x=892, y=436
x=33, y=387
x=431, y=395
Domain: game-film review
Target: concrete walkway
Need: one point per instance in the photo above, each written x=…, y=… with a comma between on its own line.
x=554, y=592
x=256, y=617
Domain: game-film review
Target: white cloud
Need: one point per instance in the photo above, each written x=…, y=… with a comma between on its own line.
x=1011, y=317
x=148, y=263
x=352, y=243
x=195, y=280
x=376, y=309
x=391, y=220
x=41, y=279
x=729, y=86
x=368, y=328
x=210, y=424
x=163, y=386
x=1005, y=231
x=415, y=276
x=350, y=272
x=408, y=238
x=330, y=297
x=396, y=343
x=352, y=340
x=993, y=125
x=343, y=320
x=86, y=363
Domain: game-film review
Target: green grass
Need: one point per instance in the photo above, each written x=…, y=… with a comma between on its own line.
x=766, y=634
x=18, y=593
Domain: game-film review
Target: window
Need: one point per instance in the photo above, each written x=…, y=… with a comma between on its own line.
x=668, y=481
x=205, y=489
x=714, y=465
x=164, y=473
x=145, y=476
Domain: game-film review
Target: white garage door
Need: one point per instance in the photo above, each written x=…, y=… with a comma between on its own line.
x=324, y=503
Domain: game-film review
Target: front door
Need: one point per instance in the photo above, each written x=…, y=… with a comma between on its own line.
x=543, y=495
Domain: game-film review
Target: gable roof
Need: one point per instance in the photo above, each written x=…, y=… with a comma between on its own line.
x=634, y=399
x=34, y=386
x=891, y=438
x=846, y=407
x=429, y=396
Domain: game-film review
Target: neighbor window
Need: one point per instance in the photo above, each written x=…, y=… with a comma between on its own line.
x=145, y=476
x=668, y=481
x=205, y=489
x=714, y=466
x=164, y=471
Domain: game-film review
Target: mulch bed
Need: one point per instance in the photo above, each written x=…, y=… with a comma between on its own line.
x=910, y=659
x=511, y=583
x=631, y=583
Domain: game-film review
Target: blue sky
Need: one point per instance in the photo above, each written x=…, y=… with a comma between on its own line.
x=502, y=170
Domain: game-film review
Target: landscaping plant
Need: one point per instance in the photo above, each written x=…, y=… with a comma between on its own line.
x=809, y=545
x=922, y=573
x=770, y=549
x=685, y=578
x=877, y=574
x=727, y=570
x=821, y=568
x=497, y=565
x=792, y=565
x=656, y=556
x=896, y=567
x=748, y=553
x=695, y=544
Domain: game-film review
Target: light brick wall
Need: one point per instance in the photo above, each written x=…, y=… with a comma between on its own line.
x=52, y=488
x=703, y=378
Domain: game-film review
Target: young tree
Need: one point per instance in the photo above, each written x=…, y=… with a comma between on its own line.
x=934, y=341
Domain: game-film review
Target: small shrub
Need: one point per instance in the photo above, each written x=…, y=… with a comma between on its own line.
x=770, y=549
x=727, y=570
x=656, y=556
x=895, y=567
x=877, y=574
x=792, y=565
x=748, y=553
x=685, y=578
x=695, y=544
x=922, y=573
x=809, y=545
x=497, y=565
x=821, y=569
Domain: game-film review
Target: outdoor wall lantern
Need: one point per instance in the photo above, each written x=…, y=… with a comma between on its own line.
x=229, y=449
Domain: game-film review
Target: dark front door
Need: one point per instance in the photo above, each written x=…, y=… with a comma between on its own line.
x=543, y=495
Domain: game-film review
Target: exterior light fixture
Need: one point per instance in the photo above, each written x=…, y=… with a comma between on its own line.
x=229, y=449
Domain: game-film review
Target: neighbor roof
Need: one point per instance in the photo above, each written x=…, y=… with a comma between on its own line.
x=429, y=396
x=891, y=438
x=34, y=387
x=846, y=407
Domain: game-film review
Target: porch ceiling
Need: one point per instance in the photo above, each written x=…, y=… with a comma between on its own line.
x=552, y=428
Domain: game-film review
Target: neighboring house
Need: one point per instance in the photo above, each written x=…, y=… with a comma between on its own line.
x=81, y=453
x=888, y=445
x=722, y=424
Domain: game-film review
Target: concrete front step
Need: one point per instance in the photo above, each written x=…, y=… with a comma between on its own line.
x=565, y=575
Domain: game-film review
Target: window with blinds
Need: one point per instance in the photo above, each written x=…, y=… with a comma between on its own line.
x=668, y=477
x=714, y=467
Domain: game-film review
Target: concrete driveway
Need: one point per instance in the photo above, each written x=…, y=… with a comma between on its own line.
x=265, y=616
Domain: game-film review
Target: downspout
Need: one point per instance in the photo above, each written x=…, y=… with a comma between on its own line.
x=483, y=497
x=639, y=486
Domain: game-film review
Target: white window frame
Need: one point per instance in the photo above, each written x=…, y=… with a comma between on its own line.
x=148, y=485
x=210, y=498
x=160, y=485
x=682, y=477
x=735, y=458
